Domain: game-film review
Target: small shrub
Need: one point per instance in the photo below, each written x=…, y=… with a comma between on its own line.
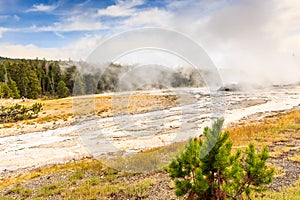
x=19, y=112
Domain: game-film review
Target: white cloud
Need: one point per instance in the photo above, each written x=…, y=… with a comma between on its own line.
x=42, y=8
x=25, y=51
x=2, y=30
x=256, y=37
x=130, y=3
x=121, y=9
x=285, y=25
x=59, y=34
x=115, y=11
x=73, y=23
x=82, y=26
x=149, y=17
x=79, y=50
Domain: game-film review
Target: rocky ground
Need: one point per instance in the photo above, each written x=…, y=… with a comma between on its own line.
x=162, y=186
x=61, y=143
x=290, y=169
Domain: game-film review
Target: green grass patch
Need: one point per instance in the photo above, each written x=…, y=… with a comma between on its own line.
x=109, y=189
x=20, y=191
x=141, y=188
x=92, y=181
x=83, y=191
x=52, y=189
x=79, y=174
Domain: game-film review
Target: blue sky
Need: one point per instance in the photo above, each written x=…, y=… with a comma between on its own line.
x=42, y=23
x=52, y=24
x=254, y=35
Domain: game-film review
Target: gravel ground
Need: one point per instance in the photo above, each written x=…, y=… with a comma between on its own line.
x=162, y=189
x=291, y=169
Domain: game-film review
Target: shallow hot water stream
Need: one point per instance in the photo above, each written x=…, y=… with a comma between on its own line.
x=132, y=133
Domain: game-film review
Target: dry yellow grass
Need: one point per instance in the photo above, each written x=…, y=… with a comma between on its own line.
x=279, y=150
x=84, y=164
x=98, y=105
x=271, y=129
x=152, y=159
x=295, y=158
x=133, y=104
x=279, y=171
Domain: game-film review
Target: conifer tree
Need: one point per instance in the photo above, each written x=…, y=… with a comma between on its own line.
x=2, y=72
x=208, y=170
x=13, y=86
x=62, y=90
x=5, y=91
x=34, y=87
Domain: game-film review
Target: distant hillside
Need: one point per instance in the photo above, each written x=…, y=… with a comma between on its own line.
x=33, y=78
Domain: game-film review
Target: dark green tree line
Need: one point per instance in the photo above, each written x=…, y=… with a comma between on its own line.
x=34, y=78
x=39, y=78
